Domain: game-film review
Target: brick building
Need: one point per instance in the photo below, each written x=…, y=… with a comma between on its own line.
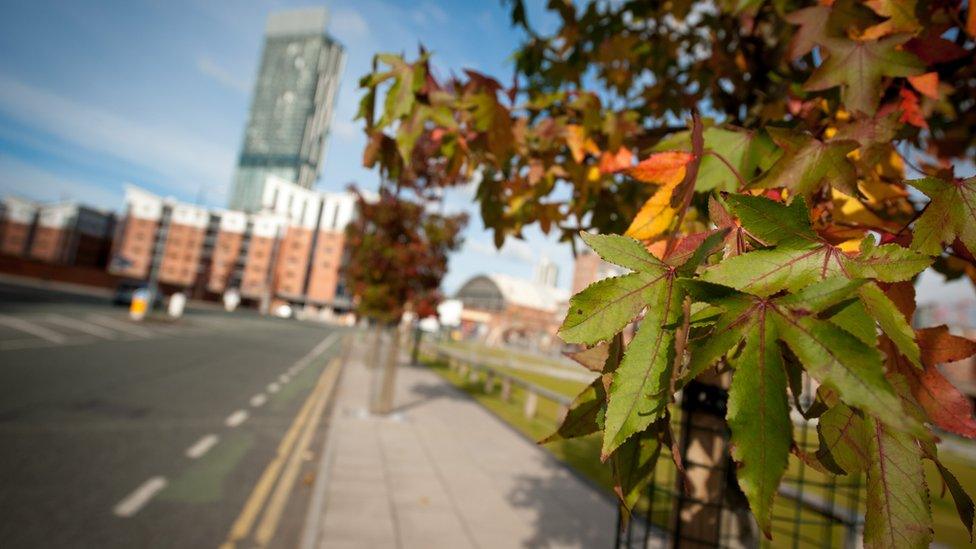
x=290, y=252
x=66, y=234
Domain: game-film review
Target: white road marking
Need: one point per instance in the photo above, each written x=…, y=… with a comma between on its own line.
x=201, y=446
x=258, y=400
x=120, y=325
x=284, y=378
x=75, y=324
x=236, y=418
x=140, y=497
x=273, y=388
x=32, y=329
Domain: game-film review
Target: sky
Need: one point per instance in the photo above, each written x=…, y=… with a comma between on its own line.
x=94, y=95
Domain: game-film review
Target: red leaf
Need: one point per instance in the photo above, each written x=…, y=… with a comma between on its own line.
x=926, y=84
x=945, y=405
x=615, y=162
x=910, y=110
x=934, y=49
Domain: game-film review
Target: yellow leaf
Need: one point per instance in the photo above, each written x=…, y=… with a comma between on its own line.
x=593, y=174
x=850, y=246
x=848, y=208
x=575, y=137
x=656, y=215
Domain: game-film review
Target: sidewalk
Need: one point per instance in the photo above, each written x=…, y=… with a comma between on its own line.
x=443, y=472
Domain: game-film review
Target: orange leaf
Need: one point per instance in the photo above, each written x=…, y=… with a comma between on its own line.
x=665, y=168
x=926, y=84
x=910, y=110
x=615, y=162
x=971, y=21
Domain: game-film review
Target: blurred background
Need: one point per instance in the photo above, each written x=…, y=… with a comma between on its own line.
x=173, y=299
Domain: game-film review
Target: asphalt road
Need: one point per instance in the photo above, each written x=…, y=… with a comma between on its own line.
x=117, y=434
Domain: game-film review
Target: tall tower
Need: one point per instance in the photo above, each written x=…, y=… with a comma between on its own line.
x=546, y=272
x=292, y=107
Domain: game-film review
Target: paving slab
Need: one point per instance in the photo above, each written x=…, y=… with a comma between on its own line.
x=442, y=471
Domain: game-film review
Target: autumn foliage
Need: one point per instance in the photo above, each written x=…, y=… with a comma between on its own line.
x=774, y=175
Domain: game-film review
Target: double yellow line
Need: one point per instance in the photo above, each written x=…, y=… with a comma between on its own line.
x=284, y=468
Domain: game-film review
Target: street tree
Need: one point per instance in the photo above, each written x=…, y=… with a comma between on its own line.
x=774, y=175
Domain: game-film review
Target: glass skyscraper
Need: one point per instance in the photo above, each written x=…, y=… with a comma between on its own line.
x=292, y=108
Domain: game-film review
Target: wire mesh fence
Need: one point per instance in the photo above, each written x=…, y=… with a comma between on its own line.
x=707, y=508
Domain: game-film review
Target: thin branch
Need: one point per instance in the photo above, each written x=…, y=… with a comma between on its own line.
x=687, y=185
x=735, y=172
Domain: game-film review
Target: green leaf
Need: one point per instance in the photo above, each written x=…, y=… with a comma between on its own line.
x=773, y=222
x=605, y=307
x=744, y=150
x=840, y=360
x=640, y=389
x=949, y=215
x=758, y=416
x=807, y=163
x=859, y=67
x=581, y=418
x=885, y=263
x=855, y=320
x=893, y=323
x=843, y=440
x=766, y=272
x=824, y=294
x=729, y=329
x=964, y=503
x=632, y=465
x=897, y=512
x=623, y=251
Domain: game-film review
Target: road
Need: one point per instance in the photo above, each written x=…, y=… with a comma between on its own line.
x=118, y=434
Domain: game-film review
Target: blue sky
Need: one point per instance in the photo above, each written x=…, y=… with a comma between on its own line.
x=97, y=94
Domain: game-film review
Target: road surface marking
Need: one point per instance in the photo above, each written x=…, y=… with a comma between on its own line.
x=284, y=378
x=276, y=505
x=120, y=325
x=32, y=329
x=75, y=324
x=258, y=400
x=236, y=418
x=273, y=388
x=201, y=446
x=245, y=521
x=140, y=497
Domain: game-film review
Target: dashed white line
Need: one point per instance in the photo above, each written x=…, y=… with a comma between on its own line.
x=86, y=327
x=258, y=400
x=140, y=497
x=120, y=325
x=32, y=329
x=235, y=419
x=201, y=446
x=284, y=378
x=273, y=387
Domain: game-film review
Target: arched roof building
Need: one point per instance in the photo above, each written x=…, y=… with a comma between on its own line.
x=503, y=307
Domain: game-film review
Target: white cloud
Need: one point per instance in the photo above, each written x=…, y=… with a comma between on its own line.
x=429, y=13
x=209, y=67
x=186, y=160
x=28, y=181
x=348, y=25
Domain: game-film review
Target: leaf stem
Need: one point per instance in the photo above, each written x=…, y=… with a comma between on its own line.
x=735, y=172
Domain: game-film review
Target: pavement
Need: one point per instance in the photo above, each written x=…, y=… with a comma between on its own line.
x=442, y=471
x=187, y=433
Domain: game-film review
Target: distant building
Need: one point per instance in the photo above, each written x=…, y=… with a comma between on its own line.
x=290, y=252
x=589, y=268
x=66, y=234
x=547, y=272
x=292, y=106
x=500, y=308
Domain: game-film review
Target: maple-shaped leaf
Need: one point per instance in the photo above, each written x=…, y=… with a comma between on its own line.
x=944, y=404
x=843, y=440
x=808, y=163
x=911, y=111
x=927, y=84
x=859, y=68
x=638, y=391
x=897, y=513
x=632, y=465
x=950, y=214
x=615, y=162
x=773, y=225
x=821, y=22
x=742, y=152
x=656, y=215
x=900, y=16
x=758, y=416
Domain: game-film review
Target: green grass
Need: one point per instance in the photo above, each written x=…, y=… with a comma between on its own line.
x=506, y=353
x=582, y=454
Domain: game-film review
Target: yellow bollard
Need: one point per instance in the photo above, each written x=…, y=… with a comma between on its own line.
x=139, y=304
